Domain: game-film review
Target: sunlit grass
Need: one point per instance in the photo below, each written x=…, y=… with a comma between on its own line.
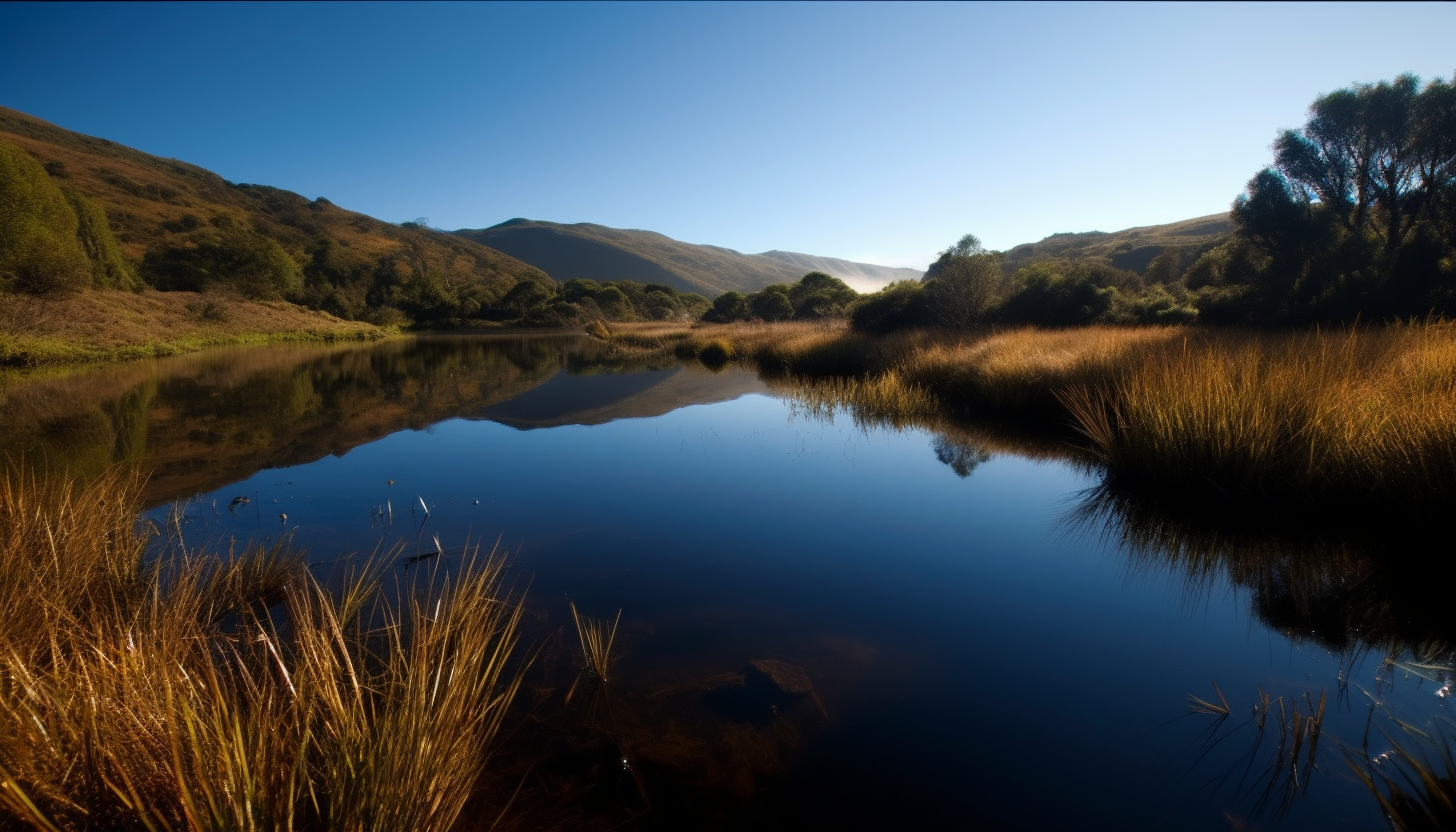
x=1365, y=416
x=198, y=690
x=1356, y=415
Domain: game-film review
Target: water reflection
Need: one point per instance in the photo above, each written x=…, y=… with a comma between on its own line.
x=200, y=421
x=1356, y=594
x=851, y=625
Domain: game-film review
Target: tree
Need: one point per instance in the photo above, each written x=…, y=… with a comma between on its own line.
x=1377, y=155
x=1355, y=216
x=39, y=250
x=729, y=306
x=963, y=283
x=771, y=303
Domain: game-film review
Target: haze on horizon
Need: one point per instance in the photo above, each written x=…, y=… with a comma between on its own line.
x=869, y=132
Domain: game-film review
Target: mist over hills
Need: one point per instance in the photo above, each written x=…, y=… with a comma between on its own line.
x=599, y=253
x=862, y=277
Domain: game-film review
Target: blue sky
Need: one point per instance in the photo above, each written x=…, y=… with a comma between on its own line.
x=878, y=133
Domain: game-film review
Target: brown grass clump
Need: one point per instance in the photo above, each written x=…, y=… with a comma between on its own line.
x=1356, y=416
x=195, y=692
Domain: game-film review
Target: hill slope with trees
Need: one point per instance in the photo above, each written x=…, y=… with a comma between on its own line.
x=148, y=222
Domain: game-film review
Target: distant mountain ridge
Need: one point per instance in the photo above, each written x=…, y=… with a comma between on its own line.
x=597, y=252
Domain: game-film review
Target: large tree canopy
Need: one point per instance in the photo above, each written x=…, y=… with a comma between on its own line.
x=1357, y=214
x=1377, y=155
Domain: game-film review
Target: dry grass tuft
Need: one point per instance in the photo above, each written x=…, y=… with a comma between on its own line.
x=596, y=641
x=195, y=692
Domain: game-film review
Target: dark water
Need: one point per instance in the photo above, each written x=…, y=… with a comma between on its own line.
x=824, y=623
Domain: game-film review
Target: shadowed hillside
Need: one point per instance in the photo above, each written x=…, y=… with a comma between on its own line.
x=599, y=253
x=185, y=228
x=1131, y=249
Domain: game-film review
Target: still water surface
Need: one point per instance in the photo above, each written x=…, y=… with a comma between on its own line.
x=824, y=623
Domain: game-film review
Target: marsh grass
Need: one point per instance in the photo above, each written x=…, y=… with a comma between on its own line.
x=1362, y=418
x=1356, y=417
x=192, y=690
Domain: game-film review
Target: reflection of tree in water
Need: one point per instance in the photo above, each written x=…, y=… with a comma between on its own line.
x=962, y=457
x=1350, y=589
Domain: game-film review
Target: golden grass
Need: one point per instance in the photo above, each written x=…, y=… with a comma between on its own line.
x=1365, y=416
x=1361, y=415
x=204, y=692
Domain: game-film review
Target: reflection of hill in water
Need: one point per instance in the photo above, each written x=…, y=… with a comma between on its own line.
x=198, y=422
x=567, y=399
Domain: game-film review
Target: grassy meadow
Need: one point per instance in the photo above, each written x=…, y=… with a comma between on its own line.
x=113, y=325
x=202, y=690
x=1348, y=417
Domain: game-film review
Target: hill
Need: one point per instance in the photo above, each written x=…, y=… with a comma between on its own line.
x=599, y=253
x=181, y=227
x=862, y=277
x=1131, y=249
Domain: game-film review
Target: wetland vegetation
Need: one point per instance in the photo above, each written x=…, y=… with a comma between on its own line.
x=1261, y=422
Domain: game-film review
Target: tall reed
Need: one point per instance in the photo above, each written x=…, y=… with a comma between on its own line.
x=1355, y=416
x=198, y=690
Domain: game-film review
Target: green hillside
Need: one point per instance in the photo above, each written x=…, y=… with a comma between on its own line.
x=596, y=252
x=180, y=227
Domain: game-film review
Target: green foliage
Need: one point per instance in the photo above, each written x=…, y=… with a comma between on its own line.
x=39, y=250
x=232, y=256
x=727, y=307
x=815, y=296
x=109, y=268
x=771, y=303
x=897, y=306
x=1046, y=294
x=1356, y=217
x=818, y=295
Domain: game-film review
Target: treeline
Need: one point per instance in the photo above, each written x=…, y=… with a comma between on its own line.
x=1355, y=219
x=580, y=301
x=816, y=296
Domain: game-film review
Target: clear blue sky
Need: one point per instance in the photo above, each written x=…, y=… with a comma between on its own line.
x=872, y=132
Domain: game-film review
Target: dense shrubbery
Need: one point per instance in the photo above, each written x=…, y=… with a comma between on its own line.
x=52, y=240
x=579, y=301
x=816, y=296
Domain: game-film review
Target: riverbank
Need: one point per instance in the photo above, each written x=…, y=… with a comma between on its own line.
x=112, y=325
x=1307, y=421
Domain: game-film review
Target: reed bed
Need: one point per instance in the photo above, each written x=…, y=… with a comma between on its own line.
x=1362, y=417
x=198, y=691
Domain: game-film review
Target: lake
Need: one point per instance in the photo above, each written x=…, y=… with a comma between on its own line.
x=825, y=620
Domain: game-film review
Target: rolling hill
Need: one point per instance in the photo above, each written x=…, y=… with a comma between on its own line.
x=180, y=225
x=1132, y=249
x=600, y=253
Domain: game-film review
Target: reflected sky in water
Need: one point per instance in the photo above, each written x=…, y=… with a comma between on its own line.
x=978, y=657
x=977, y=645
